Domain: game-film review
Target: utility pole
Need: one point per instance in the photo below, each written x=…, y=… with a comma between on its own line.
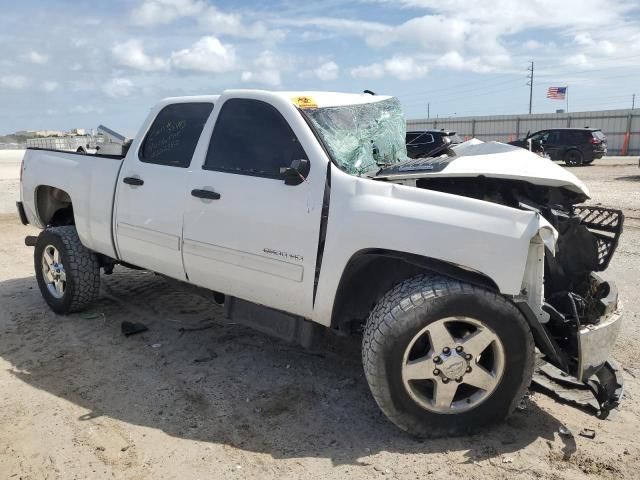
x=428, y=110
x=530, y=84
x=633, y=101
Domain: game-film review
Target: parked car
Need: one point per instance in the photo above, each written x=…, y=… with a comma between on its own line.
x=576, y=146
x=453, y=270
x=423, y=143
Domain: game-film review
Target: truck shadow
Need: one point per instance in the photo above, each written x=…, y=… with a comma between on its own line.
x=195, y=377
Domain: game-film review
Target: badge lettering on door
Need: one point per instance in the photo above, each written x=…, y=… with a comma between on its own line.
x=285, y=255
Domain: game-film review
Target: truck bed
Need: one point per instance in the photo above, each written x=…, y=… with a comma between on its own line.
x=90, y=182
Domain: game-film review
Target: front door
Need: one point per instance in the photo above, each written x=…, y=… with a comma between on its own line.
x=253, y=236
x=151, y=190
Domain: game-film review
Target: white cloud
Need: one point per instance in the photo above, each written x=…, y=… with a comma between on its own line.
x=454, y=61
x=36, y=57
x=375, y=70
x=405, y=68
x=579, y=60
x=430, y=32
x=118, y=87
x=583, y=38
x=266, y=77
x=212, y=20
x=160, y=12
x=49, y=86
x=14, y=82
x=206, y=55
x=131, y=54
x=399, y=66
x=327, y=71
x=532, y=45
x=267, y=69
x=85, y=109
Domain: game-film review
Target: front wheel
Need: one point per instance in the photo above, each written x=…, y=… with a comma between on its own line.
x=444, y=357
x=67, y=272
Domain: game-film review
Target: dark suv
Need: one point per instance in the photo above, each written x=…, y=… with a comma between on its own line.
x=424, y=142
x=576, y=146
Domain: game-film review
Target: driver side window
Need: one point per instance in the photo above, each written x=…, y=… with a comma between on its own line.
x=251, y=137
x=540, y=136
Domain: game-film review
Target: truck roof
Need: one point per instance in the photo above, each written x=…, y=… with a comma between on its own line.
x=334, y=99
x=308, y=99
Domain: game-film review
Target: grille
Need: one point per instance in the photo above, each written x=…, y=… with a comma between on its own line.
x=606, y=226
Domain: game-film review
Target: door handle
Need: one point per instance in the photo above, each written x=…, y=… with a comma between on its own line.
x=208, y=194
x=133, y=181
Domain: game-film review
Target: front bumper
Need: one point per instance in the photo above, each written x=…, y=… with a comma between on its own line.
x=596, y=341
x=593, y=382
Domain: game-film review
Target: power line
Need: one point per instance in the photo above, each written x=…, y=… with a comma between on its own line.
x=417, y=94
x=454, y=90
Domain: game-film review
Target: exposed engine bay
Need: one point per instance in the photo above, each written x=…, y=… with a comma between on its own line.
x=575, y=298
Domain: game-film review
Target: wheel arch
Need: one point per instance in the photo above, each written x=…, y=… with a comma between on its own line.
x=370, y=273
x=54, y=206
x=570, y=150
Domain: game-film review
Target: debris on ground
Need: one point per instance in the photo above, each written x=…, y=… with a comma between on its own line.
x=156, y=345
x=131, y=328
x=524, y=403
x=588, y=433
x=195, y=329
x=208, y=358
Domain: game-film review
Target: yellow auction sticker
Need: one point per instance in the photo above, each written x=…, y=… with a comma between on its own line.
x=305, y=102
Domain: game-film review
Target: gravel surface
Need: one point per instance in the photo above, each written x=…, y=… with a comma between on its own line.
x=197, y=397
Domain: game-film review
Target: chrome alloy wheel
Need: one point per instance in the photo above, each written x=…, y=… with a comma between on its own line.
x=453, y=364
x=53, y=271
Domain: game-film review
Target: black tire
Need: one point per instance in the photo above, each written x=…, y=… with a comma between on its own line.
x=81, y=268
x=574, y=158
x=406, y=310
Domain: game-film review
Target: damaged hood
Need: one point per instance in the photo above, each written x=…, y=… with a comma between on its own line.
x=475, y=158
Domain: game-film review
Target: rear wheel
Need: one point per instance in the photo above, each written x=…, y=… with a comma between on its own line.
x=67, y=272
x=573, y=158
x=445, y=357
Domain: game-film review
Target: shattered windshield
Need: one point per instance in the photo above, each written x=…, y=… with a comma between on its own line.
x=362, y=138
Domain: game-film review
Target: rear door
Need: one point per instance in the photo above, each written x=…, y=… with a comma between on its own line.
x=150, y=196
x=255, y=237
x=553, y=144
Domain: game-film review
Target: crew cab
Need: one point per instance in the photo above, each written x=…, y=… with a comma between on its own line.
x=453, y=269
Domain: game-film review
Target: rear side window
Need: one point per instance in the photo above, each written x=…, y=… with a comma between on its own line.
x=174, y=134
x=252, y=138
x=599, y=135
x=419, y=139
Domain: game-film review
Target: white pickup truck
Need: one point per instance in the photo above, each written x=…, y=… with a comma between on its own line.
x=301, y=212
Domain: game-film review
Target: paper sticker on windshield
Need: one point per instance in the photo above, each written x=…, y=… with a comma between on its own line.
x=304, y=102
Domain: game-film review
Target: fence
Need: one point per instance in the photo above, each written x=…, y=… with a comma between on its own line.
x=622, y=127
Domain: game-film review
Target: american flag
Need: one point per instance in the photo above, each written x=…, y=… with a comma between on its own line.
x=557, y=93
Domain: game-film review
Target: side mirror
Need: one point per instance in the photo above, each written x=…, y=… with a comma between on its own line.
x=296, y=173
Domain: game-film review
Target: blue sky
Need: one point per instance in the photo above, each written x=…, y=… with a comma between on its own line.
x=68, y=64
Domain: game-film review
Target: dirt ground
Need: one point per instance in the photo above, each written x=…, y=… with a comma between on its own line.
x=195, y=397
